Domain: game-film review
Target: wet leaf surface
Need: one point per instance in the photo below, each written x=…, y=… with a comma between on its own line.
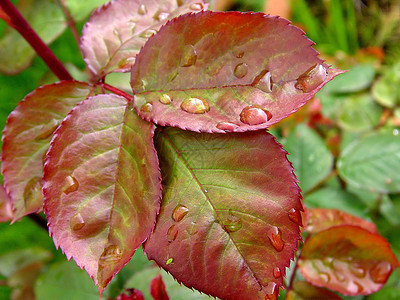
x=303, y=290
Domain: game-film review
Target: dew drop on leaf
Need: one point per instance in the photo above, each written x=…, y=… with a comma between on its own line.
x=32, y=191
x=311, y=79
x=295, y=216
x=195, y=106
x=193, y=229
x=277, y=272
x=160, y=16
x=76, y=222
x=271, y=291
x=275, y=237
x=232, y=223
x=165, y=99
x=358, y=270
x=71, y=185
x=354, y=287
x=111, y=255
x=227, y=126
x=142, y=10
x=241, y=70
x=238, y=53
x=325, y=277
x=340, y=277
x=148, y=33
x=196, y=6
x=47, y=130
x=126, y=61
x=179, y=212
x=254, y=115
x=263, y=81
x=172, y=233
x=189, y=56
x=147, y=107
x=380, y=272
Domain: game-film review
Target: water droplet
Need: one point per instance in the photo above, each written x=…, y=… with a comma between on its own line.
x=232, y=223
x=380, y=272
x=179, y=212
x=311, y=79
x=277, y=272
x=111, y=255
x=33, y=192
x=160, y=16
x=388, y=180
x=263, y=81
x=196, y=6
x=172, y=233
x=193, y=228
x=147, y=107
x=165, y=99
x=169, y=261
x=142, y=10
x=275, y=237
x=325, y=277
x=254, y=115
x=295, y=216
x=71, y=185
x=354, y=287
x=126, y=62
x=46, y=131
x=148, y=33
x=227, y=126
x=189, y=56
x=238, y=53
x=76, y=222
x=116, y=33
x=395, y=132
x=241, y=70
x=358, y=270
x=340, y=277
x=195, y=106
x=271, y=291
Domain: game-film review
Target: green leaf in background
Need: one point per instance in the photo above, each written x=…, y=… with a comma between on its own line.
x=309, y=155
x=389, y=211
x=386, y=90
x=373, y=162
x=79, y=9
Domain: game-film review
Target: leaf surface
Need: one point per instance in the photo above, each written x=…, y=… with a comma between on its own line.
x=26, y=138
x=226, y=71
x=5, y=206
x=348, y=259
x=230, y=215
x=79, y=10
x=101, y=185
x=303, y=290
x=117, y=31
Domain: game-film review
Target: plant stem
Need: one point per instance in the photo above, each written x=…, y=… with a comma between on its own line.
x=70, y=21
x=39, y=220
x=18, y=22
x=117, y=91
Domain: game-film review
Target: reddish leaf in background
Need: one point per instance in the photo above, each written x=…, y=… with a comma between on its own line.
x=320, y=219
x=224, y=226
x=303, y=290
x=131, y=294
x=226, y=71
x=348, y=259
x=157, y=288
x=102, y=185
x=26, y=138
x=5, y=206
x=117, y=31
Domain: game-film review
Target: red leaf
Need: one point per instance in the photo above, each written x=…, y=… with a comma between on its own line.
x=117, y=31
x=218, y=72
x=132, y=294
x=304, y=290
x=5, y=206
x=224, y=225
x=101, y=185
x=157, y=288
x=26, y=139
x=348, y=259
x=321, y=219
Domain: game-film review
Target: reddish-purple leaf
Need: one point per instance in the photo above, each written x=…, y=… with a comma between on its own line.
x=131, y=294
x=101, y=185
x=157, y=288
x=320, y=219
x=348, y=259
x=219, y=72
x=26, y=139
x=224, y=226
x=117, y=31
x=302, y=290
x=5, y=206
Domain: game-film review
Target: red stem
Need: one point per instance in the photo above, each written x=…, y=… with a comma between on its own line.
x=17, y=21
x=117, y=91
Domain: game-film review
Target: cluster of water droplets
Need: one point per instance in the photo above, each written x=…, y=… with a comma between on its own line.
x=179, y=212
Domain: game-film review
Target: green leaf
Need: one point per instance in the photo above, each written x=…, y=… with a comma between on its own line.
x=309, y=155
x=372, y=162
x=303, y=290
x=386, y=89
x=79, y=10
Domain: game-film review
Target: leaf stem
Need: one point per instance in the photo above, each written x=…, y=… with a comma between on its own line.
x=117, y=91
x=70, y=21
x=14, y=18
x=38, y=220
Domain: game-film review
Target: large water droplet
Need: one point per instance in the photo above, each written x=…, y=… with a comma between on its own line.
x=47, y=129
x=33, y=192
x=358, y=270
x=142, y=10
x=148, y=33
x=179, y=212
x=172, y=233
x=196, y=6
x=263, y=81
x=111, y=255
x=325, y=277
x=277, y=272
x=295, y=216
x=241, y=70
x=254, y=115
x=275, y=237
x=189, y=56
x=160, y=16
x=195, y=106
x=147, y=107
x=71, y=185
x=311, y=79
x=227, y=126
x=232, y=223
x=76, y=222
x=380, y=272
x=165, y=99
x=271, y=291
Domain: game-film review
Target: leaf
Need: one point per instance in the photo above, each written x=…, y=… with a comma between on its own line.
x=117, y=31
x=385, y=89
x=321, y=219
x=304, y=290
x=217, y=72
x=5, y=206
x=15, y=53
x=101, y=185
x=79, y=10
x=132, y=295
x=230, y=215
x=26, y=139
x=348, y=259
x=372, y=162
x=157, y=288
x=311, y=158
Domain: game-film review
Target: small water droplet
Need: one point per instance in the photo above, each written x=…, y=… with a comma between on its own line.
x=126, y=62
x=116, y=32
x=196, y=6
x=47, y=130
x=172, y=233
x=380, y=272
x=275, y=237
x=295, y=216
x=325, y=277
x=354, y=287
x=169, y=261
x=255, y=115
x=277, y=272
x=165, y=99
x=193, y=228
x=179, y=212
x=227, y=126
x=142, y=10
x=160, y=16
x=111, y=255
x=33, y=192
x=189, y=56
x=232, y=223
x=195, y=106
x=238, y=53
x=263, y=81
x=148, y=33
x=340, y=277
x=76, y=222
x=311, y=79
x=388, y=180
x=147, y=107
x=358, y=270
x=395, y=132
x=71, y=185
x=241, y=70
